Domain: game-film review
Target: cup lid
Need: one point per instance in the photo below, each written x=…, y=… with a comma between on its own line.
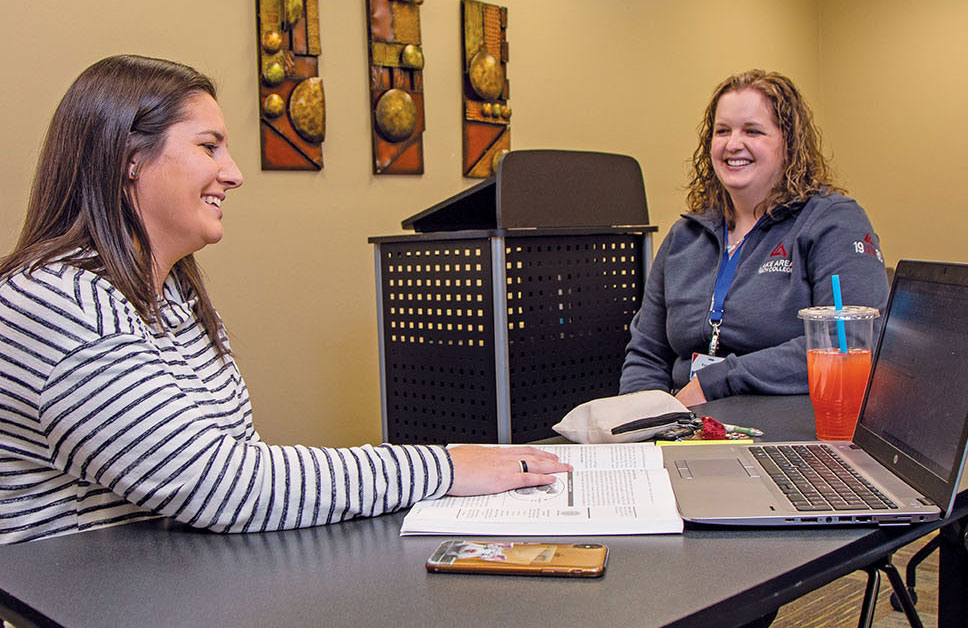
x=829, y=312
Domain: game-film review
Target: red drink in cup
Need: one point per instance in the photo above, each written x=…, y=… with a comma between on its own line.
x=837, y=382
x=839, y=344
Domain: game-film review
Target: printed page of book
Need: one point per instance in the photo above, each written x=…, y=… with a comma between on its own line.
x=614, y=489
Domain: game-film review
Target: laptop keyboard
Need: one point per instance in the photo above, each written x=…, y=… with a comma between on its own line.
x=813, y=477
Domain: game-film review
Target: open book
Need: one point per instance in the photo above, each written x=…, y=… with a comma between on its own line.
x=614, y=489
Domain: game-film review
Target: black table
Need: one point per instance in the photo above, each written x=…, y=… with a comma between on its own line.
x=362, y=573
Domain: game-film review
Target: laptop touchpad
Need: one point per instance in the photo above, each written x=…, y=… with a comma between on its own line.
x=717, y=467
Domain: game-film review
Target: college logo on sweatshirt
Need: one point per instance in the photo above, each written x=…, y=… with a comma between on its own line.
x=779, y=262
x=867, y=247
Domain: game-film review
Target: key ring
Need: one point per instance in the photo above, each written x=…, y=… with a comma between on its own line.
x=714, y=341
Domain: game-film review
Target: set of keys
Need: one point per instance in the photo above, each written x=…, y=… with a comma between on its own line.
x=682, y=425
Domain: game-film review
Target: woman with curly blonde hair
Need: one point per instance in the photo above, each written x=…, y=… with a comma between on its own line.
x=765, y=230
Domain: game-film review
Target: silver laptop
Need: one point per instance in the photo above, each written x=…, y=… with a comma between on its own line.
x=907, y=455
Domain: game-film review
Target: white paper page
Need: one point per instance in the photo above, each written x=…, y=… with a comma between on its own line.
x=611, y=456
x=611, y=491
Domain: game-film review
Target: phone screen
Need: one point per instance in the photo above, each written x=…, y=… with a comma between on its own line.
x=581, y=560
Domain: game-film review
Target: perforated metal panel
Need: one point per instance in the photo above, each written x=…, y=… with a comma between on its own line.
x=570, y=300
x=438, y=331
x=458, y=369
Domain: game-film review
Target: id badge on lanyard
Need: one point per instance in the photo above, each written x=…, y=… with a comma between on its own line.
x=701, y=361
x=727, y=270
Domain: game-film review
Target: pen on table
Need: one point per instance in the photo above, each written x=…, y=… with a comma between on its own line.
x=749, y=431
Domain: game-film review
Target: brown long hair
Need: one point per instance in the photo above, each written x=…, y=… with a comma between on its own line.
x=81, y=208
x=805, y=170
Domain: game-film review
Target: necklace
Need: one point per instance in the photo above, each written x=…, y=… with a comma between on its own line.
x=731, y=247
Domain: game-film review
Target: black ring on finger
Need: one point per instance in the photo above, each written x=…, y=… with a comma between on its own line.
x=524, y=466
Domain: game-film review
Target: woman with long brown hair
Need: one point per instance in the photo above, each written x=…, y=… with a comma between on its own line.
x=119, y=396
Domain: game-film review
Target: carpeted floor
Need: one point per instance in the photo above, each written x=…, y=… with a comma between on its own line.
x=837, y=605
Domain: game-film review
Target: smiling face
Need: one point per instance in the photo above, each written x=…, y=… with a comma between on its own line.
x=746, y=148
x=180, y=192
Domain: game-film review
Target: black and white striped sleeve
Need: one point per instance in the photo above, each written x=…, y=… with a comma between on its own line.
x=115, y=415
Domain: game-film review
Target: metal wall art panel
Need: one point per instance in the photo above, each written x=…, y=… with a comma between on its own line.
x=396, y=86
x=292, y=104
x=487, y=113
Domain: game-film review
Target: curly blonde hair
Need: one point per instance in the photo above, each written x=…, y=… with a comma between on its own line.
x=805, y=171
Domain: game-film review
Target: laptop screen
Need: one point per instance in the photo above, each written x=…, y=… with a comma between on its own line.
x=916, y=408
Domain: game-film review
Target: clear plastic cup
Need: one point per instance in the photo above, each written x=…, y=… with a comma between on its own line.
x=839, y=344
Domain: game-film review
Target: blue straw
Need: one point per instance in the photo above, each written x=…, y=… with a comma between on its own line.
x=839, y=305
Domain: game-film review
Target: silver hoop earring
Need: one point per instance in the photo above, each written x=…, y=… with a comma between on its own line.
x=133, y=172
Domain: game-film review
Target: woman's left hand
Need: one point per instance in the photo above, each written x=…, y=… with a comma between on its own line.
x=691, y=394
x=480, y=470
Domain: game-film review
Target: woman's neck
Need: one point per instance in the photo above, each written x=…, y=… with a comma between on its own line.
x=160, y=275
x=743, y=223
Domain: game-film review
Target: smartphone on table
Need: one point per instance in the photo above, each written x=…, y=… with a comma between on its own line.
x=576, y=560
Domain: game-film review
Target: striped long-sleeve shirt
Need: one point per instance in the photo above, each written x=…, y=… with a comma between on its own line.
x=106, y=419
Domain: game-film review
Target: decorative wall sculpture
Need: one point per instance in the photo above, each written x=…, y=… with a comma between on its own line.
x=487, y=114
x=396, y=86
x=292, y=103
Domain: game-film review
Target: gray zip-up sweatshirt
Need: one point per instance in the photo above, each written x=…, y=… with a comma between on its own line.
x=785, y=265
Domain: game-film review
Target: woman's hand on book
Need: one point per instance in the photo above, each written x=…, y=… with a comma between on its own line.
x=480, y=470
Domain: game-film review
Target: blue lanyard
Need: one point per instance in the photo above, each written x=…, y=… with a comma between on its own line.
x=727, y=270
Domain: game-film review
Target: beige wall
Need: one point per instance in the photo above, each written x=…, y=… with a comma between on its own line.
x=895, y=99
x=293, y=277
